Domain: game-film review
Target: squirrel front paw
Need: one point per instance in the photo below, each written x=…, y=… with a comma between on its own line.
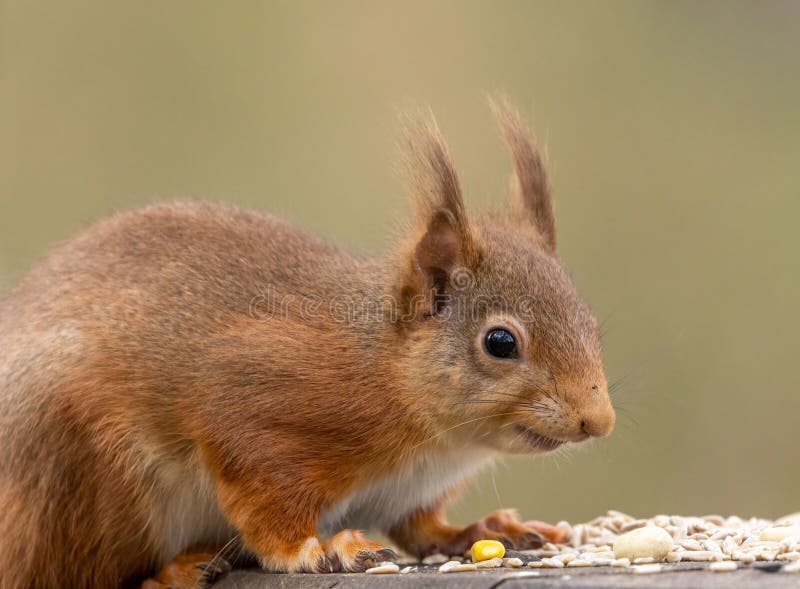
x=348, y=551
x=551, y=533
x=351, y=551
x=190, y=570
x=501, y=525
x=427, y=532
x=307, y=556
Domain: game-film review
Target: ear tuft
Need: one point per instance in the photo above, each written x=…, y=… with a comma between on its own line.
x=433, y=181
x=444, y=239
x=530, y=185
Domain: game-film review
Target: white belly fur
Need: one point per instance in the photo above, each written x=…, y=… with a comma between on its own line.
x=185, y=511
x=420, y=484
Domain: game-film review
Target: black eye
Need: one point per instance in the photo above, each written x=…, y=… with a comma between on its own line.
x=501, y=344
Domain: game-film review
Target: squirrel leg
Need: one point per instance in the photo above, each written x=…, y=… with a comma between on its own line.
x=276, y=525
x=427, y=532
x=280, y=529
x=194, y=569
x=351, y=551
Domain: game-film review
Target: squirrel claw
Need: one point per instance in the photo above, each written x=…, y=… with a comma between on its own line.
x=214, y=568
x=549, y=532
x=366, y=559
x=190, y=570
x=388, y=555
x=529, y=541
x=522, y=541
x=353, y=552
x=327, y=565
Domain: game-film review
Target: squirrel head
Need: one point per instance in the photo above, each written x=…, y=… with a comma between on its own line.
x=498, y=348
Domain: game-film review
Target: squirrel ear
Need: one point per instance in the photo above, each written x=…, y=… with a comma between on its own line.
x=444, y=239
x=530, y=185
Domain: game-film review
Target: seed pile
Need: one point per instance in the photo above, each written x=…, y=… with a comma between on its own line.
x=617, y=539
x=640, y=545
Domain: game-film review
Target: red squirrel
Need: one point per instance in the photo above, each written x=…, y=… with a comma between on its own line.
x=182, y=376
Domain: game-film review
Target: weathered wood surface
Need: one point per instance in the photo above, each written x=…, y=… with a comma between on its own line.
x=684, y=575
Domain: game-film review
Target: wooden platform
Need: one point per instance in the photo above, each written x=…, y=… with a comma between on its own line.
x=683, y=575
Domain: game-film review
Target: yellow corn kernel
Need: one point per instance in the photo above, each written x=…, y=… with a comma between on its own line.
x=487, y=549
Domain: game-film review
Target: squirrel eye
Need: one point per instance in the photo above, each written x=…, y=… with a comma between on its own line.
x=500, y=343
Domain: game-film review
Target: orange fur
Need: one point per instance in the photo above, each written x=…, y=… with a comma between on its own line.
x=149, y=402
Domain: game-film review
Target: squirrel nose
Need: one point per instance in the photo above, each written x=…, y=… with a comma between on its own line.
x=590, y=429
x=597, y=420
x=599, y=425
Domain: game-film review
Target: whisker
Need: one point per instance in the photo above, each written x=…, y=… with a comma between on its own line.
x=441, y=433
x=493, y=402
x=539, y=388
x=603, y=328
x=519, y=396
x=624, y=411
x=619, y=382
x=221, y=554
x=496, y=492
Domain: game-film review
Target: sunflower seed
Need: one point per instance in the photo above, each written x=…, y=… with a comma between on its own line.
x=723, y=567
x=792, y=568
x=647, y=569
x=386, y=568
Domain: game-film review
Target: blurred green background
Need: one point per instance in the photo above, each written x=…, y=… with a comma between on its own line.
x=674, y=134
